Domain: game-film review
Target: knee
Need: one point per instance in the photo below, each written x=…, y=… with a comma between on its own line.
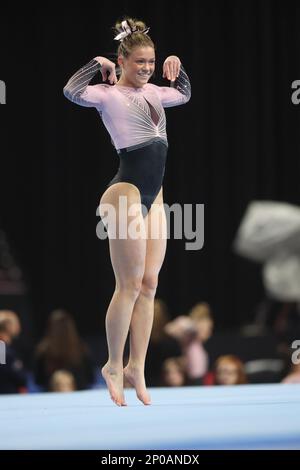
x=149, y=285
x=131, y=286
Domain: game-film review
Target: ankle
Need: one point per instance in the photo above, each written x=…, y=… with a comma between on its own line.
x=114, y=366
x=136, y=366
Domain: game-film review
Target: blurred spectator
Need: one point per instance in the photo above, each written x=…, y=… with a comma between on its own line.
x=13, y=322
x=202, y=315
x=173, y=372
x=20, y=341
x=62, y=381
x=161, y=346
x=192, y=332
x=294, y=376
x=228, y=370
x=12, y=373
x=62, y=348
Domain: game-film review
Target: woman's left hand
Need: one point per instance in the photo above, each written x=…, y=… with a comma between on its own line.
x=171, y=67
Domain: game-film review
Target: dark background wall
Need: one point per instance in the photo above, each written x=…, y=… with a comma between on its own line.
x=235, y=141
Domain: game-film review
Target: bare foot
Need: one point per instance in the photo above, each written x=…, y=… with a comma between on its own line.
x=114, y=382
x=136, y=378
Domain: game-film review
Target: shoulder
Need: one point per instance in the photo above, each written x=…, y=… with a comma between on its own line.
x=102, y=87
x=151, y=86
x=96, y=94
x=153, y=89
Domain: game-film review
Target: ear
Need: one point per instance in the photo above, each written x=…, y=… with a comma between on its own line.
x=120, y=60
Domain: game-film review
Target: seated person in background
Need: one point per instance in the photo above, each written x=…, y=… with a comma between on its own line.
x=14, y=324
x=173, y=372
x=202, y=315
x=62, y=381
x=13, y=377
x=192, y=331
x=21, y=341
x=294, y=376
x=62, y=348
x=228, y=370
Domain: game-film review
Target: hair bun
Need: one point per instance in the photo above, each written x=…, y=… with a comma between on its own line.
x=134, y=24
x=128, y=26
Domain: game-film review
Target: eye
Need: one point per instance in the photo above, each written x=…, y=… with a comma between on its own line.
x=140, y=61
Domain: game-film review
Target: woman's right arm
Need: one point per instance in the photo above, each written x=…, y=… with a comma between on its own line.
x=78, y=89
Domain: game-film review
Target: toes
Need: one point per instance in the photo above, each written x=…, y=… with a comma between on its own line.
x=122, y=401
x=145, y=399
x=118, y=401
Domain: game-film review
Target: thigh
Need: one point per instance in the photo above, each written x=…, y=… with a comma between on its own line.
x=156, y=229
x=126, y=232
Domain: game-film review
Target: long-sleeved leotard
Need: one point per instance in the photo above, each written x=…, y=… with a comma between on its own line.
x=124, y=110
x=135, y=118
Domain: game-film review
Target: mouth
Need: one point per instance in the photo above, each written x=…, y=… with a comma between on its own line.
x=143, y=75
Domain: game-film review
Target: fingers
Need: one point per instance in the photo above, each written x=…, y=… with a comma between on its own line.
x=104, y=73
x=112, y=77
x=171, y=69
x=108, y=67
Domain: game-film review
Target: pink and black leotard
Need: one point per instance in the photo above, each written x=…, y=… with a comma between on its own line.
x=136, y=121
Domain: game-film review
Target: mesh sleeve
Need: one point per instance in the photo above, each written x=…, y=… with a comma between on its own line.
x=78, y=89
x=179, y=92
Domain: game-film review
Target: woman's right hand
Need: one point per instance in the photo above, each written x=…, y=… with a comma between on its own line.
x=107, y=66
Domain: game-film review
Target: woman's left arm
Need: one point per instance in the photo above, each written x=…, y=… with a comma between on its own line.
x=179, y=91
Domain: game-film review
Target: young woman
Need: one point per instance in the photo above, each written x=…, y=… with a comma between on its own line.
x=132, y=110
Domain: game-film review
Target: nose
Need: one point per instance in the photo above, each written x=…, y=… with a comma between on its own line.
x=146, y=67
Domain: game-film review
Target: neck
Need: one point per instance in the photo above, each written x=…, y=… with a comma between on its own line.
x=128, y=84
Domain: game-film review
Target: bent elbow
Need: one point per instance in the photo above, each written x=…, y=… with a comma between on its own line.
x=186, y=98
x=188, y=94
x=67, y=93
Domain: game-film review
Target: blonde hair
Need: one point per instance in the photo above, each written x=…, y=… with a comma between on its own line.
x=160, y=319
x=60, y=374
x=136, y=39
x=13, y=322
x=200, y=311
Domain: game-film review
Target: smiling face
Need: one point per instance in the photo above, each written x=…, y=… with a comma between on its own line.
x=138, y=67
